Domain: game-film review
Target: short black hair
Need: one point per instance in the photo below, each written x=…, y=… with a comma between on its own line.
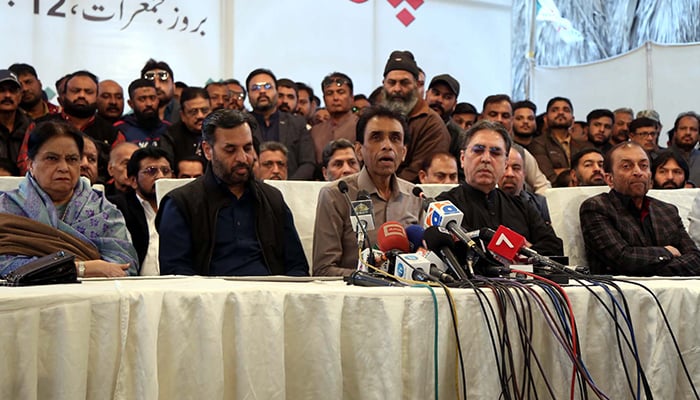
x=181, y=85
x=600, y=113
x=9, y=166
x=22, y=69
x=332, y=147
x=192, y=92
x=134, y=164
x=378, y=111
x=663, y=157
x=559, y=98
x=152, y=64
x=496, y=98
x=428, y=161
x=49, y=129
x=258, y=71
x=330, y=78
x=491, y=126
x=525, y=104
x=225, y=118
x=465, y=108
x=642, y=122
x=577, y=157
x=303, y=87
x=139, y=83
x=84, y=73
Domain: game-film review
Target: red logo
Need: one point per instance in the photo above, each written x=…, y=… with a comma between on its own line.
x=506, y=243
x=404, y=15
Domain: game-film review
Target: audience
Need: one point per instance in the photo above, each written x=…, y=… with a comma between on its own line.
x=339, y=160
x=670, y=171
x=272, y=161
x=439, y=168
x=190, y=167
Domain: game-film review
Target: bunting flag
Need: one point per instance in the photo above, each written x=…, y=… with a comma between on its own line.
x=548, y=11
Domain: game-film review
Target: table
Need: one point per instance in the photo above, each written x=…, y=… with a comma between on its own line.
x=210, y=338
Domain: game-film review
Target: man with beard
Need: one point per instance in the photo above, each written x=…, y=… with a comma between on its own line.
x=628, y=233
x=600, y=126
x=242, y=226
x=280, y=126
x=32, y=95
x=524, y=125
x=139, y=206
x=272, y=162
x=644, y=131
x=670, y=171
x=143, y=127
x=381, y=143
x=236, y=93
x=90, y=161
x=427, y=133
x=513, y=183
x=587, y=168
x=338, y=96
x=79, y=106
x=162, y=76
x=620, y=132
x=287, y=95
x=553, y=150
x=484, y=160
x=305, y=102
x=13, y=122
x=442, y=98
x=219, y=95
x=110, y=100
x=184, y=138
x=683, y=142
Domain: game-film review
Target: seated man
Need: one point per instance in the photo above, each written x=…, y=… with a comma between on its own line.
x=190, y=167
x=272, y=162
x=587, y=168
x=116, y=167
x=381, y=145
x=484, y=159
x=226, y=222
x=139, y=206
x=438, y=168
x=670, y=171
x=628, y=233
x=513, y=183
x=339, y=159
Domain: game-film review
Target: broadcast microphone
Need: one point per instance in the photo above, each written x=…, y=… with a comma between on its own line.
x=441, y=242
x=391, y=235
x=364, y=208
x=507, y=243
x=360, y=278
x=415, y=236
x=362, y=236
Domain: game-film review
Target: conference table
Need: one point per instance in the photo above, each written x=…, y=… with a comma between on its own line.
x=217, y=338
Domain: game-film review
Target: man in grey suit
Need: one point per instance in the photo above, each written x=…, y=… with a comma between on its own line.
x=628, y=233
x=280, y=126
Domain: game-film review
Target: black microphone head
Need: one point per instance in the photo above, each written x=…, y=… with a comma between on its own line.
x=418, y=192
x=435, y=238
x=486, y=234
x=343, y=186
x=363, y=195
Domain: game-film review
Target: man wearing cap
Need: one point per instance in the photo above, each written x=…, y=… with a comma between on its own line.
x=426, y=130
x=13, y=123
x=442, y=98
x=338, y=96
x=32, y=102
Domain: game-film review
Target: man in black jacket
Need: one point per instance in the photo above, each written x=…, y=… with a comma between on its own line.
x=226, y=222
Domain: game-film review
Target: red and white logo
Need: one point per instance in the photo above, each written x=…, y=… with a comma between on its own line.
x=506, y=243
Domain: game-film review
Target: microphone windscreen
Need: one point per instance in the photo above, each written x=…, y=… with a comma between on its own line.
x=486, y=234
x=342, y=186
x=415, y=236
x=362, y=195
x=417, y=191
x=391, y=235
x=436, y=239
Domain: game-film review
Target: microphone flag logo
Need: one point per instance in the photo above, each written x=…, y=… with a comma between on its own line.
x=506, y=243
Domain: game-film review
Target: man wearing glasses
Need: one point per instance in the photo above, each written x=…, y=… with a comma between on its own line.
x=162, y=75
x=280, y=126
x=139, y=206
x=236, y=93
x=183, y=139
x=644, y=131
x=484, y=159
x=338, y=97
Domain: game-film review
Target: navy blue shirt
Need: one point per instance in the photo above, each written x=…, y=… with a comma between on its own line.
x=271, y=132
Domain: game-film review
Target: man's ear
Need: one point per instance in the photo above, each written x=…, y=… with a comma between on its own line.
x=206, y=148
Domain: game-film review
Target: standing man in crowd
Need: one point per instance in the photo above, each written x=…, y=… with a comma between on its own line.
x=143, y=127
x=13, y=122
x=110, y=100
x=162, y=76
x=338, y=97
x=32, y=102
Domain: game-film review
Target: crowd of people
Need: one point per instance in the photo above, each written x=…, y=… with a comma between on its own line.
x=229, y=222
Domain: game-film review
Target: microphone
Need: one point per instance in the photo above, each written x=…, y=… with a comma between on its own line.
x=507, y=243
x=364, y=209
x=414, y=266
x=418, y=192
x=415, y=236
x=360, y=278
x=391, y=235
x=362, y=236
x=441, y=242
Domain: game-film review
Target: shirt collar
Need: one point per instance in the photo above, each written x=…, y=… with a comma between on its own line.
x=364, y=182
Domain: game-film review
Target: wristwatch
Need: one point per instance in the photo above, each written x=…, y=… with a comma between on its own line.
x=81, y=268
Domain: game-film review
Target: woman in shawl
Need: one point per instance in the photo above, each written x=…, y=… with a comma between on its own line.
x=53, y=209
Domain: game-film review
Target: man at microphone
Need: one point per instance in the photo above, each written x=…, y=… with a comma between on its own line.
x=381, y=145
x=484, y=156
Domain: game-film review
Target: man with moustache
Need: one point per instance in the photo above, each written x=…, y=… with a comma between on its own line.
x=184, y=139
x=620, y=132
x=287, y=95
x=587, y=168
x=644, y=131
x=600, y=126
x=236, y=93
x=441, y=97
x=338, y=96
x=219, y=95
x=381, y=143
x=339, y=160
x=427, y=133
x=670, y=171
x=242, y=226
x=280, y=126
x=553, y=150
x=32, y=102
x=272, y=162
x=484, y=160
x=628, y=233
x=685, y=130
x=110, y=100
x=13, y=122
x=306, y=107
x=464, y=115
x=79, y=106
x=90, y=161
x=143, y=127
x=162, y=76
x=513, y=183
x=116, y=167
x=524, y=125
x=139, y=206
x=439, y=168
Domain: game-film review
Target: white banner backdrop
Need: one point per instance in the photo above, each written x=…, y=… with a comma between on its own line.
x=303, y=40
x=661, y=77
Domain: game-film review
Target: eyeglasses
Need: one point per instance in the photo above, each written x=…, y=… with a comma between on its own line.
x=260, y=85
x=153, y=171
x=337, y=81
x=643, y=134
x=238, y=95
x=479, y=149
x=270, y=164
x=151, y=75
x=193, y=112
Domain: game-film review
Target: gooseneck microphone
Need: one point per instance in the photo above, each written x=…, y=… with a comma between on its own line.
x=442, y=244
